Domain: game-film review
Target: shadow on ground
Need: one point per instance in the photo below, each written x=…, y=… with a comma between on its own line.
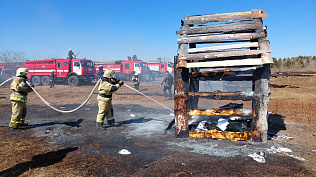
x=41, y=160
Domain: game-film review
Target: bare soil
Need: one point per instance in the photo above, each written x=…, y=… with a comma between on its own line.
x=60, y=144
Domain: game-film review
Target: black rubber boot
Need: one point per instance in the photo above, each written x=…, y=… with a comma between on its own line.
x=112, y=123
x=100, y=125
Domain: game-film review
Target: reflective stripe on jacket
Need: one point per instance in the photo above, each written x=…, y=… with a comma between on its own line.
x=19, y=90
x=105, y=88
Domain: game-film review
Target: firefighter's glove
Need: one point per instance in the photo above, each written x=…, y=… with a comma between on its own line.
x=121, y=82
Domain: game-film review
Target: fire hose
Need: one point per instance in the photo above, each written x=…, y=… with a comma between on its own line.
x=49, y=105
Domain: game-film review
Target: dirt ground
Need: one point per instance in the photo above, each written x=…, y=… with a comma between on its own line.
x=60, y=144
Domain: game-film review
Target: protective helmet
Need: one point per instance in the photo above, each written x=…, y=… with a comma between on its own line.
x=136, y=74
x=70, y=50
x=109, y=73
x=21, y=72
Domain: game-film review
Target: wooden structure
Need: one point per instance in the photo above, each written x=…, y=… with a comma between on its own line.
x=220, y=47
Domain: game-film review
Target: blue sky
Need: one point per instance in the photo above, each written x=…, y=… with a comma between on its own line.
x=111, y=30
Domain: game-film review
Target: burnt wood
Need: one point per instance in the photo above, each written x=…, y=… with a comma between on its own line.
x=223, y=37
x=241, y=26
x=213, y=55
x=224, y=17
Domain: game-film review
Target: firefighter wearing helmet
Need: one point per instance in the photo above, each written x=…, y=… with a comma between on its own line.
x=107, y=86
x=70, y=54
x=18, y=98
x=136, y=81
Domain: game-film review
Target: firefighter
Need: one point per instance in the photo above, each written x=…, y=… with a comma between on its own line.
x=107, y=86
x=168, y=82
x=100, y=72
x=71, y=54
x=136, y=81
x=18, y=98
x=52, y=79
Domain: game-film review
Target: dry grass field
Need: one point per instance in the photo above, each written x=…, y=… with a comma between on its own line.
x=60, y=144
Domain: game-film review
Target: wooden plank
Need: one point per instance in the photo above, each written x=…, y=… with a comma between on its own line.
x=240, y=26
x=217, y=134
x=264, y=45
x=181, y=98
x=213, y=55
x=224, y=17
x=240, y=95
x=216, y=38
x=220, y=112
x=227, y=78
x=224, y=47
x=226, y=63
x=212, y=94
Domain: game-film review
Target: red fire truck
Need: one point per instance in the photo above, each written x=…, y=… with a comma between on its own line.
x=125, y=69
x=71, y=71
x=159, y=68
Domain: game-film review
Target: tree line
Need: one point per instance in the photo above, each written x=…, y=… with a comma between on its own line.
x=300, y=62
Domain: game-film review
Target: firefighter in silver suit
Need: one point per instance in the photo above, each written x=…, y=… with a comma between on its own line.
x=108, y=85
x=18, y=98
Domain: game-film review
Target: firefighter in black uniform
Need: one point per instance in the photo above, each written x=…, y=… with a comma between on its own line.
x=52, y=79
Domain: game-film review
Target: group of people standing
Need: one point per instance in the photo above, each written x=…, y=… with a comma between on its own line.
x=109, y=84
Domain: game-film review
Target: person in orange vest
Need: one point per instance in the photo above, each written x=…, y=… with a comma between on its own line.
x=18, y=98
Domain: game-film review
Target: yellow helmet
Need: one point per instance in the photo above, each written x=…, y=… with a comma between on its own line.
x=109, y=73
x=21, y=72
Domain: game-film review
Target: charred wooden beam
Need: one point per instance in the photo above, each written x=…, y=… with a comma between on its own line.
x=226, y=72
x=181, y=98
x=212, y=94
x=224, y=17
x=241, y=26
x=260, y=102
x=215, y=38
x=215, y=55
x=219, y=112
x=226, y=78
x=225, y=63
x=217, y=134
x=218, y=95
x=224, y=47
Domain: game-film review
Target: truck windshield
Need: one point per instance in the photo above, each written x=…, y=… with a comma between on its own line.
x=143, y=64
x=86, y=63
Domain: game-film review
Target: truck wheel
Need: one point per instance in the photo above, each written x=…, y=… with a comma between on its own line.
x=45, y=80
x=36, y=80
x=73, y=81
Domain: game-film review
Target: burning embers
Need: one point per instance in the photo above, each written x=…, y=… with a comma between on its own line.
x=229, y=122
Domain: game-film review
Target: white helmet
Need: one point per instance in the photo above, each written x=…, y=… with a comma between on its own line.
x=109, y=73
x=21, y=72
x=70, y=50
x=136, y=74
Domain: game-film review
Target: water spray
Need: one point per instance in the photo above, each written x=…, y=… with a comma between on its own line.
x=147, y=97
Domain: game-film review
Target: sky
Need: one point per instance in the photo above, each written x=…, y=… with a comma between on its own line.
x=112, y=30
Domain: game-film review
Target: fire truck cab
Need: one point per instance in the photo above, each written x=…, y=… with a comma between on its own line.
x=126, y=69
x=73, y=72
x=159, y=68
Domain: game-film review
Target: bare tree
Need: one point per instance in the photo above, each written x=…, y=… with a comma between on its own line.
x=9, y=56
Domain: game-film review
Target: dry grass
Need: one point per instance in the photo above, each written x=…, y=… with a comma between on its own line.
x=296, y=104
